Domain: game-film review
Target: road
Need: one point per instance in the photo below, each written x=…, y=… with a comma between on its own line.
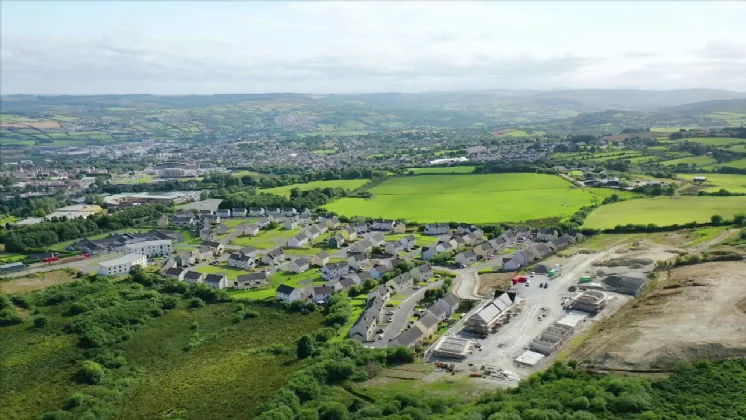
x=401, y=317
x=88, y=265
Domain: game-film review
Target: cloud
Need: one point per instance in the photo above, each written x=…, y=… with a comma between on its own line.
x=340, y=47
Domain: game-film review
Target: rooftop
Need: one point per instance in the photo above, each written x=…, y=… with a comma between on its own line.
x=127, y=259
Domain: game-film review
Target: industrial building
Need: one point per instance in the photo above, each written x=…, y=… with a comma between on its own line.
x=160, y=248
x=122, y=265
x=452, y=347
x=494, y=314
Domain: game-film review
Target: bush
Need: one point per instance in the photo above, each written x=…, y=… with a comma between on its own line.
x=250, y=314
x=91, y=372
x=169, y=302
x=306, y=345
x=580, y=403
x=9, y=316
x=332, y=411
x=41, y=322
x=196, y=303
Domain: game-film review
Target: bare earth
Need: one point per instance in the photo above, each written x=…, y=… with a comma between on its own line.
x=696, y=313
x=36, y=281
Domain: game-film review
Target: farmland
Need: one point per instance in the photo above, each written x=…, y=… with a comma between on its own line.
x=348, y=184
x=715, y=182
x=716, y=141
x=697, y=160
x=471, y=198
x=442, y=170
x=664, y=211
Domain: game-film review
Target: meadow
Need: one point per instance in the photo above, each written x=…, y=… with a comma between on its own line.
x=665, y=211
x=716, y=141
x=698, y=160
x=348, y=184
x=442, y=170
x=472, y=198
x=715, y=182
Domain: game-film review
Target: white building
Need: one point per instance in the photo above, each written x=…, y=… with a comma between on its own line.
x=161, y=248
x=121, y=265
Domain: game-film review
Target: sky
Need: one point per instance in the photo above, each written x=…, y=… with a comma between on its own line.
x=174, y=47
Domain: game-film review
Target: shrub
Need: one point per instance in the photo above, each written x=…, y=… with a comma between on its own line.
x=250, y=314
x=306, y=345
x=41, y=322
x=9, y=316
x=170, y=302
x=91, y=372
x=196, y=303
x=580, y=403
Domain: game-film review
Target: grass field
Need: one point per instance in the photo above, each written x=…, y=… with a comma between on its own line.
x=472, y=198
x=732, y=183
x=669, y=129
x=715, y=141
x=266, y=239
x=291, y=279
x=741, y=164
x=348, y=184
x=698, y=160
x=443, y=170
x=665, y=211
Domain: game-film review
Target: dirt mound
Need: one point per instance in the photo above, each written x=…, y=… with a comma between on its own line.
x=667, y=356
x=742, y=305
x=618, y=262
x=624, y=284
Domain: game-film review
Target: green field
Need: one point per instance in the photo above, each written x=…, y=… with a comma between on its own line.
x=741, y=164
x=291, y=279
x=266, y=239
x=664, y=211
x=715, y=141
x=669, y=129
x=715, y=182
x=348, y=184
x=443, y=170
x=472, y=198
x=698, y=160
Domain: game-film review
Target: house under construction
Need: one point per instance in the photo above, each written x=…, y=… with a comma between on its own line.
x=591, y=301
x=494, y=314
x=551, y=338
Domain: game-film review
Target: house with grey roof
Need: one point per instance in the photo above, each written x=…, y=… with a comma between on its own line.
x=217, y=280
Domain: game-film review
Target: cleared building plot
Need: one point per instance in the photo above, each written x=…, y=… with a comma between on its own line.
x=529, y=358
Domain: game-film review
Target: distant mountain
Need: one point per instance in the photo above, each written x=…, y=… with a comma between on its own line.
x=638, y=100
x=707, y=107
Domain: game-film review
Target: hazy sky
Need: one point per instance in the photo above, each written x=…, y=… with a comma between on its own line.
x=351, y=46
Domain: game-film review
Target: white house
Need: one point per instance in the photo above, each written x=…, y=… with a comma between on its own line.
x=224, y=213
x=122, y=265
x=298, y=241
x=256, y=212
x=437, y=229
x=274, y=257
x=320, y=259
x=357, y=261
x=217, y=280
x=300, y=265
x=240, y=260
x=251, y=230
x=160, y=248
x=194, y=277
x=176, y=273
x=335, y=270
x=466, y=258
x=289, y=294
x=239, y=212
x=332, y=223
x=290, y=224
x=383, y=225
x=322, y=293
x=422, y=272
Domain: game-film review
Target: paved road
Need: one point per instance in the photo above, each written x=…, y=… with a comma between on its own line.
x=401, y=317
x=88, y=265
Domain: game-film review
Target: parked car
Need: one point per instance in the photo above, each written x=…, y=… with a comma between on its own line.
x=379, y=337
x=390, y=313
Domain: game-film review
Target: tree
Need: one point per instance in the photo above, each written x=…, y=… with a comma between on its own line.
x=306, y=346
x=91, y=372
x=716, y=219
x=333, y=411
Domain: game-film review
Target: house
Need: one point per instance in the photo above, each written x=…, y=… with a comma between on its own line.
x=394, y=262
x=224, y=213
x=364, y=275
x=322, y=293
x=251, y=230
x=300, y=265
x=314, y=232
x=443, y=246
x=184, y=220
x=546, y=235
x=289, y=294
x=437, y=229
x=265, y=221
x=252, y=280
x=249, y=251
x=289, y=212
x=348, y=281
x=210, y=218
x=392, y=248
x=206, y=212
x=240, y=260
x=206, y=234
x=409, y=338
x=516, y=261
x=381, y=292
x=361, y=228
x=400, y=227
x=574, y=236
x=290, y=224
x=470, y=238
x=422, y=272
x=217, y=280
x=380, y=270
x=464, y=228
x=440, y=309
x=408, y=242
x=561, y=243
x=320, y=259
x=428, y=324
x=429, y=252
x=522, y=232
x=357, y=261
x=274, y=257
x=544, y=250
x=298, y=241
x=364, y=246
x=176, y=273
x=217, y=248
x=41, y=256
x=332, y=223
x=466, y=258
x=335, y=270
x=337, y=241
x=162, y=221
x=458, y=242
x=384, y=225
x=453, y=303
x=238, y=212
x=204, y=252
x=305, y=213
x=193, y=277
x=350, y=233
x=256, y=212
x=401, y=282
x=376, y=238
x=365, y=328
x=484, y=250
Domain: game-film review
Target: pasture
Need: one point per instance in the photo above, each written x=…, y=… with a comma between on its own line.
x=472, y=198
x=732, y=183
x=348, y=184
x=716, y=141
x=665, y=211
x=697, y=160
x=442, y=170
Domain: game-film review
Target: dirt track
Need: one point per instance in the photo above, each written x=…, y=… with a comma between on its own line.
x=693, y=314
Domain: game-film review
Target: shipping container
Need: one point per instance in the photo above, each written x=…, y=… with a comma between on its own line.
x=586, y=279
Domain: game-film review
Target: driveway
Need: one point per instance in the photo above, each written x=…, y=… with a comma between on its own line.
x=401, y=317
